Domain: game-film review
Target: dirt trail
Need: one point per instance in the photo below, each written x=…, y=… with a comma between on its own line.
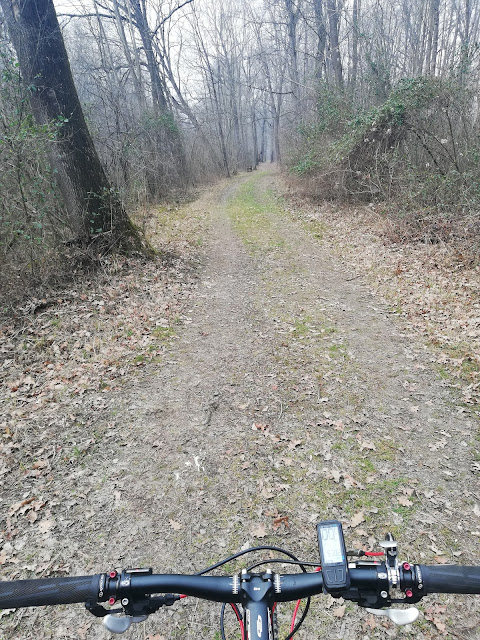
x=289, y=395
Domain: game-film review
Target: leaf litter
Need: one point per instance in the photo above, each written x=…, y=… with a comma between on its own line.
x=296, y=435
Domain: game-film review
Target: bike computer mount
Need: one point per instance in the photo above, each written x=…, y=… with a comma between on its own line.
x=333, y=556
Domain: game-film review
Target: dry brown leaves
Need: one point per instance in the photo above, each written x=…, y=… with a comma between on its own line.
x=60, y=360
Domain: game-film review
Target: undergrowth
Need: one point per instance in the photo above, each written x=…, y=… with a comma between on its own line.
x=416, y=154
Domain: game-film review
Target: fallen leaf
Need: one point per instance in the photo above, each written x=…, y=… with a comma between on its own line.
x=267, y=493
x=367, y=445
x=294, y=443
x=175, y=525
x=40, y=464
x=259, y=531
x=18, y=505
x=441, y=626
x=433, y=614
x=404, y=501
x=259, y=426
x=349, y=482
x=339, y=612
x=357, y=519
x=82, y=631
x=46, y=525
x=279, y=521
x=336, y=475
x=370, y=622
x=32, y=516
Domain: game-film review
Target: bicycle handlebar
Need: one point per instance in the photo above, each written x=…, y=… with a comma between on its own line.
x=450, y=578
x=48, y=591
x=418, y=580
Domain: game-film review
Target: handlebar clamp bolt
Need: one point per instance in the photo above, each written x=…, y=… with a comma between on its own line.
x=409, y=593
x=125, y=602
x=113, y=574
x=383, y=594
x=406, y=566
x=111, y=601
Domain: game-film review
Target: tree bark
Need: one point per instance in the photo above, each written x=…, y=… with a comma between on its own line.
x=92, y=206
x=133, y=61
x=435, y=25
x=321, y=38
x=158, y=91
x=333, y=20
x=292, y=18
x=355, y=33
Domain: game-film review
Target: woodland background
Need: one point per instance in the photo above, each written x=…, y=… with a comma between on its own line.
x=358, y=100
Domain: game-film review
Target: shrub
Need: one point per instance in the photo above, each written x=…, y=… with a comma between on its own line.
x=418, y=152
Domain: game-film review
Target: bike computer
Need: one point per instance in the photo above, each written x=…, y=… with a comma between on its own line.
x=333, y=556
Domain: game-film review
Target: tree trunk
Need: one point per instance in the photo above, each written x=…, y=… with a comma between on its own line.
x=321, y=38
x=133, y=61
x=92, y=206
x=158, y=91
x=254, y=137
x=292, y=18
x=172, y=143
x=333, y=20
x=355, y=32
x=435, y=25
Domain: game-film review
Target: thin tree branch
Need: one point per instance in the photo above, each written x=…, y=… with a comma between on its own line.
x=170, y=15
x=87, y=15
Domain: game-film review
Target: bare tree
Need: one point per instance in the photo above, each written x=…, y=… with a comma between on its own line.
x=321, y=33
x=334, y=25
x=92, y=206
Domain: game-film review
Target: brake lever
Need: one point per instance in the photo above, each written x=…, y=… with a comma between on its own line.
x=120, y=624
x=399, y=617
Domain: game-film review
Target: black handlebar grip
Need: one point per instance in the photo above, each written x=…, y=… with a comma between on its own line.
x=34, y=593
x=449, y=578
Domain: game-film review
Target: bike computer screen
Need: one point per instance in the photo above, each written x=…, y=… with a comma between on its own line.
x=333, y=555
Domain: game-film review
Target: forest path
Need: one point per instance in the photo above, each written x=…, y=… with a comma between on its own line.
x=289, y=395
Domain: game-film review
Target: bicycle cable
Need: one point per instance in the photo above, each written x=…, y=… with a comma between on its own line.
x=222, y=620
x=300, y=563
x=251, y=550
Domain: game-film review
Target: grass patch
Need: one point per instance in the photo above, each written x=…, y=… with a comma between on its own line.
x=315, y=228
x=163, y=333
x=253, y=212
